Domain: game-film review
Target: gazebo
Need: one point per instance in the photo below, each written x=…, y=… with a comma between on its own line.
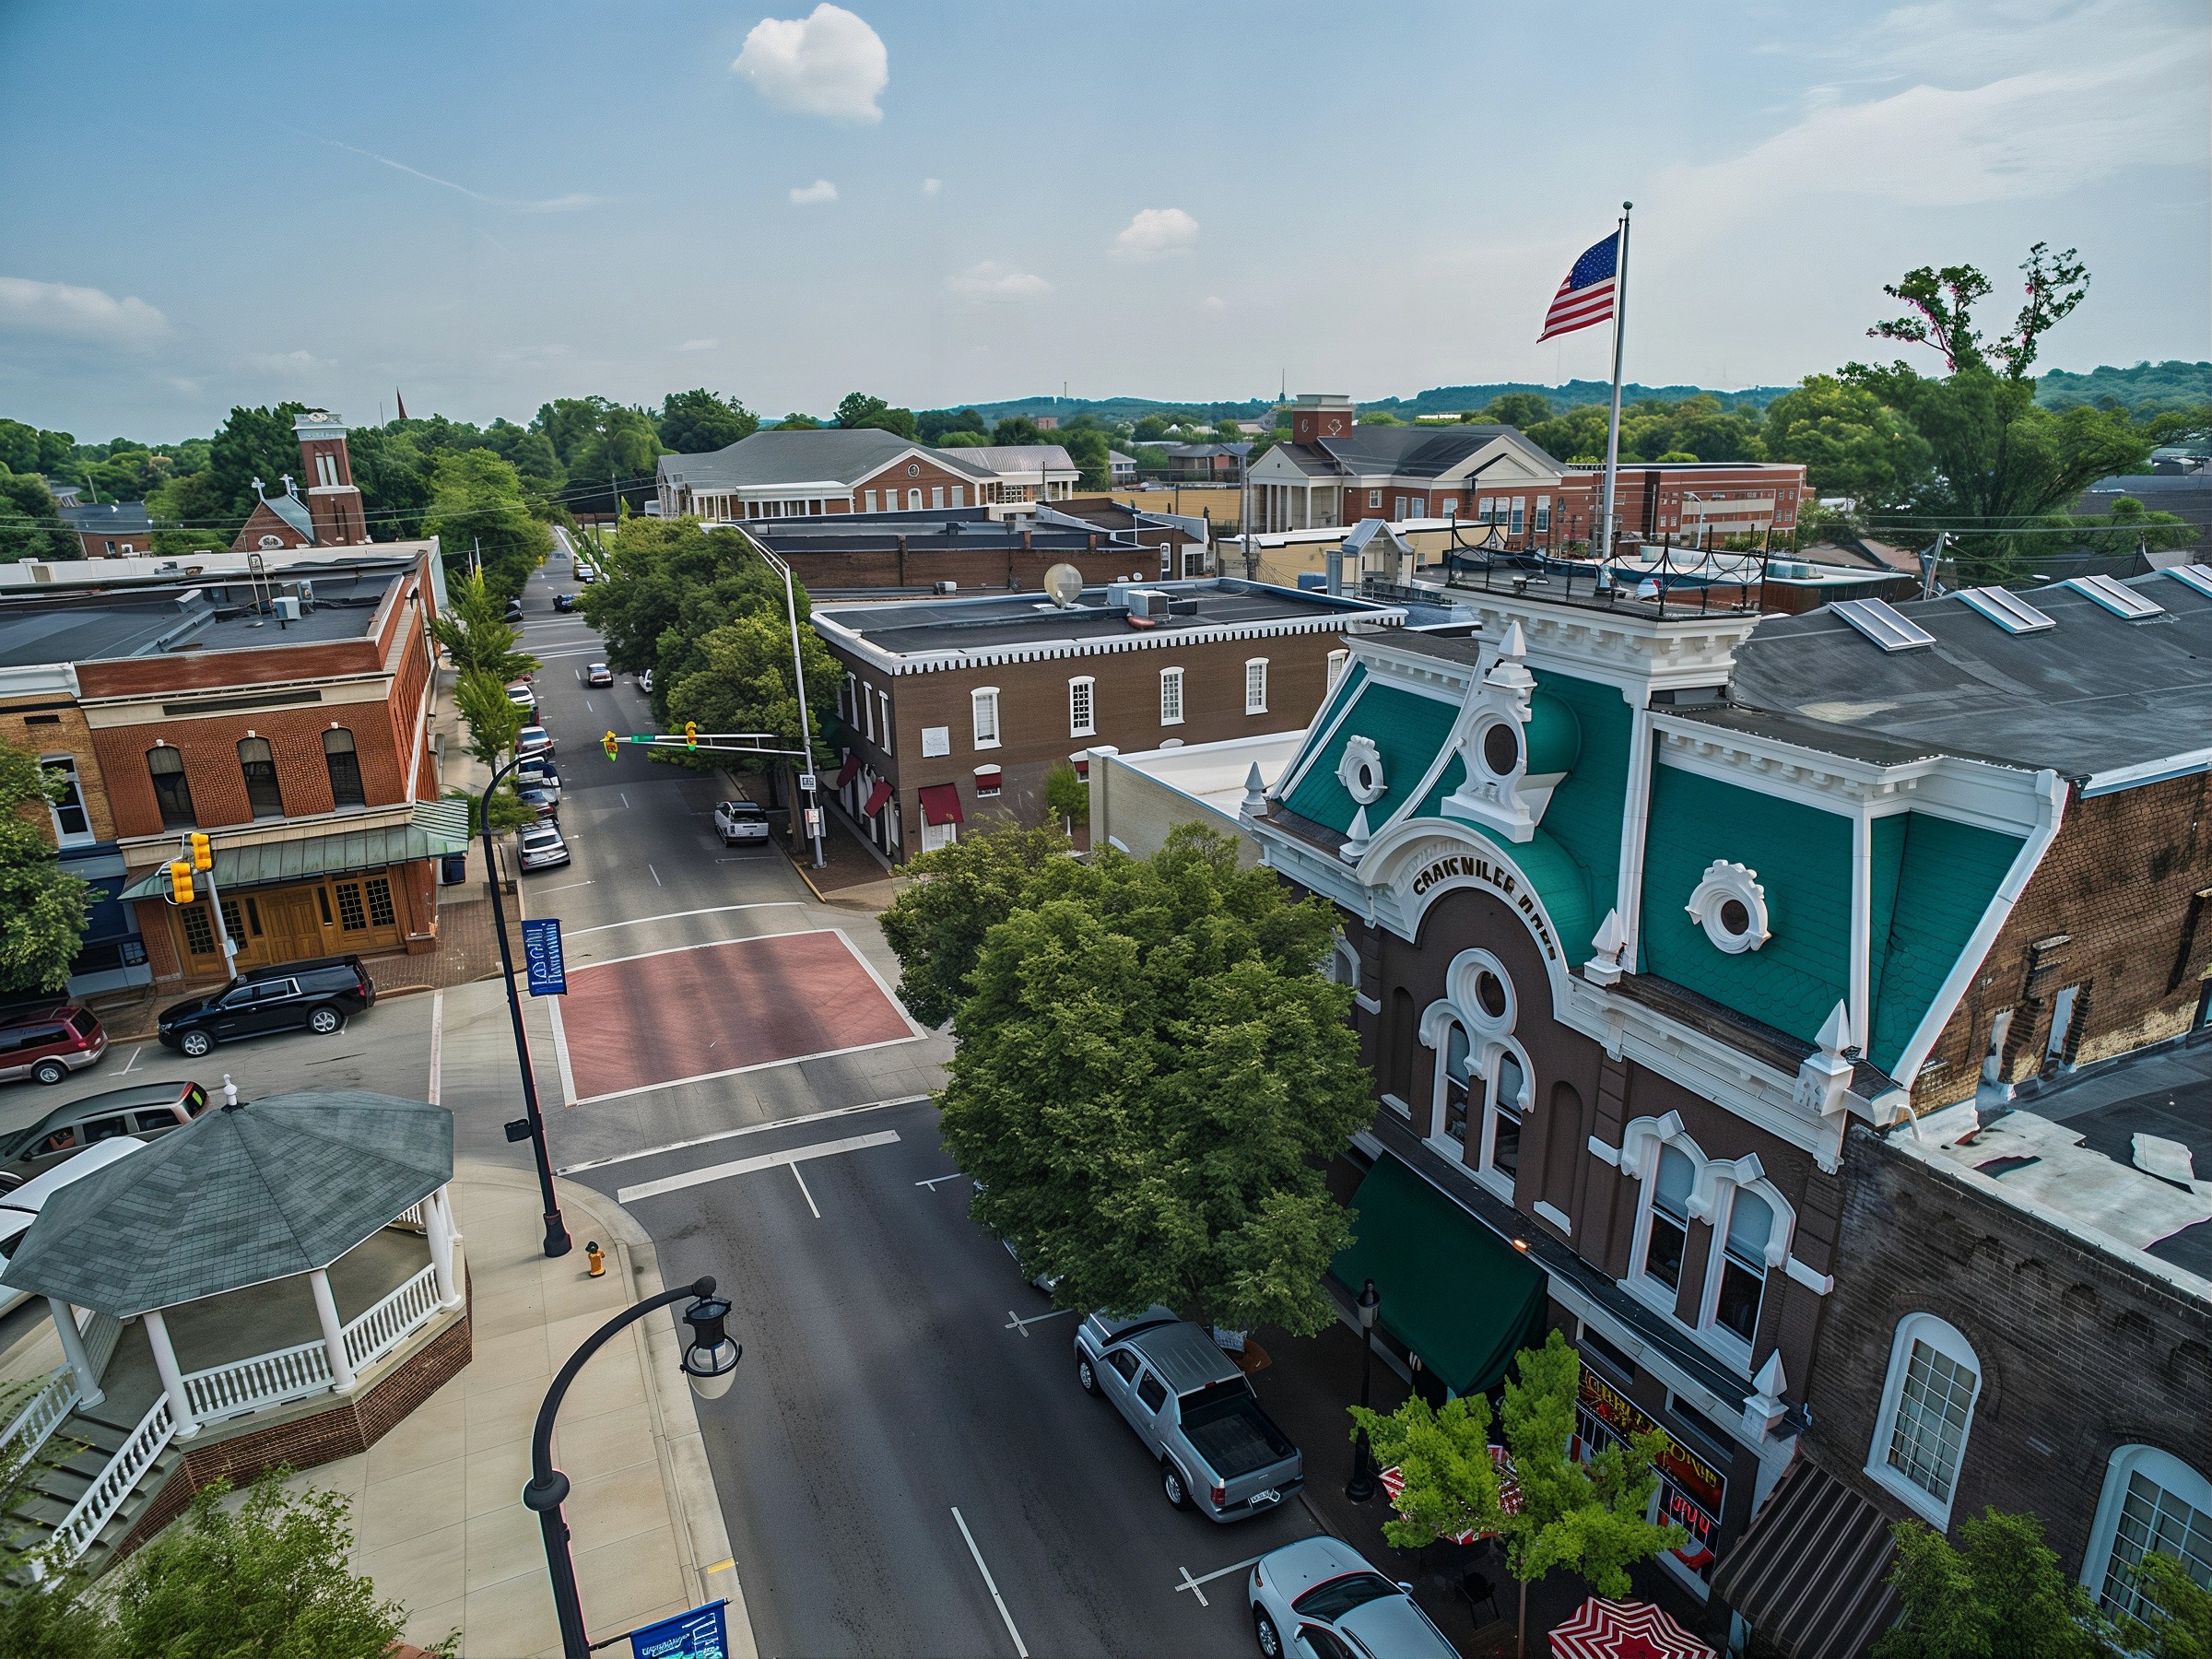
x=208, y=1235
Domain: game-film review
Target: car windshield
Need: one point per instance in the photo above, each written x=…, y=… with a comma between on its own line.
x=1333, y=1599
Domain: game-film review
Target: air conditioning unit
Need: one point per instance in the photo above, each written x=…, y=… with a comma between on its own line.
x=947, y=587
x=1148, y=602
x=288, y=608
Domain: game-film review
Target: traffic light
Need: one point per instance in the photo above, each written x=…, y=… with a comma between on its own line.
x=202, y=851
x=690, y=733
x=179, y=881
x=607, y=743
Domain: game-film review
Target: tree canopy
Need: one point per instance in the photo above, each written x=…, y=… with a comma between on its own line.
x=858, y=410
x=694, y=422
x=43, y=907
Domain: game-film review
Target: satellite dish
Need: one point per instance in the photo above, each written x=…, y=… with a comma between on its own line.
x=1064, y=584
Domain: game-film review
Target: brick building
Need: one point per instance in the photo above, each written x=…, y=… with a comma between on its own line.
x=330, y=515
x=972, y=547
x=802, y=473
x=1688, y=503
x=290, y=719
x=109, y=529
x=953, y=710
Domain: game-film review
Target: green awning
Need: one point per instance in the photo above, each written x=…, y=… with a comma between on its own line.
x=268, y=864
x=1452, y=1290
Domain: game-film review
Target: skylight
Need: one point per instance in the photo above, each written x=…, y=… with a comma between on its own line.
x=2007, y=609
x=2196, y=577
x=1883, y=623
x=2116, y=596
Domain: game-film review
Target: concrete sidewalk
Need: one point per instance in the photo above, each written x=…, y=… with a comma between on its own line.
x=438, y=1512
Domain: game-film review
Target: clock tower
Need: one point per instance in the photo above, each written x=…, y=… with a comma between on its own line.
x=1319, y=415
x=333, y=501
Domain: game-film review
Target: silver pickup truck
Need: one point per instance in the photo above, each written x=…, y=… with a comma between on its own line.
x=1219, y=1452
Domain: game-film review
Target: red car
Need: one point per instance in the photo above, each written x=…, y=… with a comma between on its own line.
x=48, y=1043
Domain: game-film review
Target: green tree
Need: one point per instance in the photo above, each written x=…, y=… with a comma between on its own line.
x=1569, y=437
x=933, y=424
x=2129, y=526
x=1016, y=429
x=799, y=423
x=476, y=511
x=494, y=719
x=1151, y=429
x=1377, y=417
x=43, y=907
x=1523, y=410
x=936, y=926
x=252, y=443
x=1999, y=1591
x=1850, y=442
x=30, y=527
x=1088, y=449
x=669, y=583
x=1150, y=1073
x=1067, y=795
x=858, y=410
x=475, y=633
x=743, y=683
x=694, y=422
x=1944, y=300
x=2178, y=1621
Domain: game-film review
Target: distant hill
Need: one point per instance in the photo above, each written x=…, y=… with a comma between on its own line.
x=2144, y=390
x=1438, y=400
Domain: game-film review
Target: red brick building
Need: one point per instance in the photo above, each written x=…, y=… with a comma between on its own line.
x=330, y=515
x=1689, y=504
x=801, y=474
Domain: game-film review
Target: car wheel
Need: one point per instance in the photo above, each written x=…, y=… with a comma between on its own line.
x=1264, y=1630
x=1085, y=1375
x=194, y=1045
x=324, y=1021
x=1172, y=1483
x=49, y=1072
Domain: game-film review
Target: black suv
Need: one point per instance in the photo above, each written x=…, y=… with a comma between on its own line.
x=317, y=996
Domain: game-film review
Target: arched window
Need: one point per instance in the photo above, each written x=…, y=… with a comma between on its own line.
x=1458, y=1080
x=1508, y=1105
x=1743, y=1276
x=172, y=789
x=1927, y=1411
x=258, y=762
x=1666, y=1240
x=2153, y=1503
x=345, y=768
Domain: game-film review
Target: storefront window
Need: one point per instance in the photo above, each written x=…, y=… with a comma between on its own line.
x=1670, y=1220
x=381, y=914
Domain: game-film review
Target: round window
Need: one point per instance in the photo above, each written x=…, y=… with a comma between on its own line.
x=1735, y=918
x=1489, y=991
x=1501, y=749
x=913, y=469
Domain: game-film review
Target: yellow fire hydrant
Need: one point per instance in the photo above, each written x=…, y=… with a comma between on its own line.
x=597, y=1258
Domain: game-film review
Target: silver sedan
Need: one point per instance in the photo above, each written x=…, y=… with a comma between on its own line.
x=1318, y=1599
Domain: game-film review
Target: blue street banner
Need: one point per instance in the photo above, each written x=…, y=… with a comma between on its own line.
x=699, y=1634
x=541, y=955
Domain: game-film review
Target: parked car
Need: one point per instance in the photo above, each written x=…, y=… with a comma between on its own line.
x=514, y=610
x=537, y=772
x=523, y=698
x=564, y=602
x=534, y=740
x=34, y=1141
x=545, y=802
x=1319, y=1597
x=737, y=821
x=20, y=1207
x=317, y=996
x=598, y=674
x=1219, y=1452
x=48, y=1043
x=586, y=573
x=541, y=848
x=645, y=682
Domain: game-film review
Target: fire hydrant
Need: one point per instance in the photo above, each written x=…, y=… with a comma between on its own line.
x=598, y=1257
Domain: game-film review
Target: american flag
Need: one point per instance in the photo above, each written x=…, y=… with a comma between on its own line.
x=1586, y=296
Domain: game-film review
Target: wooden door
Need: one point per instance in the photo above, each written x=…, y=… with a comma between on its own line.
x=292, y=928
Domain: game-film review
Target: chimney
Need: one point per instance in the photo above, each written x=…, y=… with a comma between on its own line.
x=1319, y=415
x=332, y=502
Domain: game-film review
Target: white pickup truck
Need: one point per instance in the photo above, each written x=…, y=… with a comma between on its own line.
x=740, y=821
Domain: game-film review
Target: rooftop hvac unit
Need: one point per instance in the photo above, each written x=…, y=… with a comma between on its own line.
x=288, y=608
x=1148, y=602
x=947, y=587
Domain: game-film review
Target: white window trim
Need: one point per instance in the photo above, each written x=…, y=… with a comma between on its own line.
x=2167, y=1470
x=978, y=699
x=1249, y=663
x=1947, y=1340
x=1089, y=726
x=1166, y=676
x=67, y=762
x=867, y=710
x=886, y=698
x=1493, y=1054
x=1339, y=662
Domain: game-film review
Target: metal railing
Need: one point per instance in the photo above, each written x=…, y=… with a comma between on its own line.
x=54, y=1399
x=1673, y=582
x=113, y=1485
x=393, y=1320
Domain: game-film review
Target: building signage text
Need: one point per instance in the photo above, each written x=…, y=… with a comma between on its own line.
x=1689, y=1475
x=1509, y=888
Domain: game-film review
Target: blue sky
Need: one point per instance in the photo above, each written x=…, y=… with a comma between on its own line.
x=486, y=205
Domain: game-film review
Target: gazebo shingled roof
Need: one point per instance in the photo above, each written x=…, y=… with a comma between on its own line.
x=240, y=1197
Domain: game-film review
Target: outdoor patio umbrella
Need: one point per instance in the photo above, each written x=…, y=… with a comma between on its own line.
x=1610, y=1629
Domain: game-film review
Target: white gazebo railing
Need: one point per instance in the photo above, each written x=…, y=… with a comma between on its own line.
x=44, y=1413
x=383, y=1327
x=303, y=1369
x=114, y=1484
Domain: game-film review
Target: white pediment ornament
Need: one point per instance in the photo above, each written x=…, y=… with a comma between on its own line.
x=1731, y=906
x=1361, y=771
x=1492, y=741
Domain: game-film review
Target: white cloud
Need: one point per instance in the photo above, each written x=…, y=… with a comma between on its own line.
x=80, y=313
x=288, y=362
x=1154, y=231
x=705, y=345
x=991, y=280
x=809, y=196
x=828, y=63
x=931, y=186
x=1214, y=303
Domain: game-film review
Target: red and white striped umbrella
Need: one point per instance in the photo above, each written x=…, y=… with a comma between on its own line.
x=1509, y=1488
x=1610, y=1630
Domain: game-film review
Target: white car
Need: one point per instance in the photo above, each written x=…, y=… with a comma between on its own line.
x=1318, y=1599
x=737, y=821
x=523, y=698
x=20, y=1207
x=541, y=848
x=585, y=573
x=534, y=740
x=598, y=674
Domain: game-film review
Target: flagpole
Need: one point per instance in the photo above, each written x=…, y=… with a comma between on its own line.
x=1621, y=328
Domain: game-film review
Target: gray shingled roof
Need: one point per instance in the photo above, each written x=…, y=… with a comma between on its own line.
x=112, y=518
x=826, y=454
x=1411, y=452
x=1011, y=459
x=271, y=1190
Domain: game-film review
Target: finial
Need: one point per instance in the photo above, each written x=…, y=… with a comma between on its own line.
x=231, y=1101
x=1255, y=792
x=1835, y=1036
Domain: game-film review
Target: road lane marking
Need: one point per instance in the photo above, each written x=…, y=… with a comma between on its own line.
x=713, y=910
x=721, y=1134
x=935, y=1181
x=882, y=985
x=437, y=1044
x=1023, y=1326
x=1192, y=1585
x=809, y=1196
x=747, y=1166
x=134, y=1060
x=560, y=1053
x=588, y=705
x=563, y=887
x=624, y=798
x=989, y=1583
x=656, y=876
x=738, y=1071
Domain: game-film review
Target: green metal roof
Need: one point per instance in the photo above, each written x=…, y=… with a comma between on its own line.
x=267, y=863
x=1406, y=729
x=236, y=1198
x=1452, y=1292
x=1945, y=875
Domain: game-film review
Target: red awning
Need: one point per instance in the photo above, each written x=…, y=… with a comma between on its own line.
x=1609, y=1630
x=848, y=771
x=877, y=797
x=940, y=804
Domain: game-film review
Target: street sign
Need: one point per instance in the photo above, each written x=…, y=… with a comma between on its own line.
x=806, y=782
x=541, y=954
x=702, y=1633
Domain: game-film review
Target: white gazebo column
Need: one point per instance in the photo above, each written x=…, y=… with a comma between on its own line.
x=72, y=1350
x=441, y=1248
x=172, y=1379
x=334, y=1333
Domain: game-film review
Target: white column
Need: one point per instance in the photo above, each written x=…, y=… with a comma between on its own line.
x=452, y=1222
x=1862, y=898
x=441, y=1250
x=172, y=1379
x=72, y=1350
x=334, y=1333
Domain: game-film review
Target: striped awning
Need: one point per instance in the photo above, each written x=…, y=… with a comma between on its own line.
x=274, y=862
x=1811, y=1573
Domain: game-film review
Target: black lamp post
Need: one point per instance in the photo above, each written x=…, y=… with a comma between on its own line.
x=533, y=1123
x=1362, y=1486
x=711, y=1366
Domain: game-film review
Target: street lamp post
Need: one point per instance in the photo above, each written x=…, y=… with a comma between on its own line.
x=710, y=1365
x=812, y=808
x=1362, y=1486
x=558, y=1242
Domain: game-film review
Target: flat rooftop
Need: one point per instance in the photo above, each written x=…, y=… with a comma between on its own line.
x=913, y=626
x=96, y=626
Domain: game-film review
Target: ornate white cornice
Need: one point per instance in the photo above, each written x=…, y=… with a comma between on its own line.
x=1045, y=650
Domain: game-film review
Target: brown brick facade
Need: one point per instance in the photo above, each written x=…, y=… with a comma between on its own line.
x=48, y=726
x=995, y=567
